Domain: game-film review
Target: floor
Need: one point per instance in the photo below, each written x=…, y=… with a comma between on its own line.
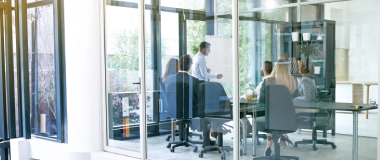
x=343, y=139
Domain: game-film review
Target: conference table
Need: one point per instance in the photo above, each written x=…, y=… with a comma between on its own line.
x=253, y=108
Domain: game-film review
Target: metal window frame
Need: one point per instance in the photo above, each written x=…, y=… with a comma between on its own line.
x=20, y=8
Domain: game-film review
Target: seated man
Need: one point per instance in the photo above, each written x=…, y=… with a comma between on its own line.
x=266, y=70
x=185, y=63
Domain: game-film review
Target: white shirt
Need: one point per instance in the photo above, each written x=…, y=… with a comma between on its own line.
x=258, y=88
x=199, y=69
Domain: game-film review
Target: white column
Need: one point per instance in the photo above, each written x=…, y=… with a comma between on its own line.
x=83, y=70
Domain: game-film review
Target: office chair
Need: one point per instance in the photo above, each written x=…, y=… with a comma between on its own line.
x=313, y=121
x=179, y=105
x=214, y=110
x=164, y=114
x=280, y=117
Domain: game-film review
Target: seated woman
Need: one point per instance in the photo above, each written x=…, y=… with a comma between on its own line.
x=279, y=76
x=170, y=69
x=306, y=84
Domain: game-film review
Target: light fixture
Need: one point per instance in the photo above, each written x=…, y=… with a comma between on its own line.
x=270, y=3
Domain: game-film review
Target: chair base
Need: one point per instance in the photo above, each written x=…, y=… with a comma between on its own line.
x=278, y=158
x=315, y=142
x=190, y=135
x=182, y=143
x=221, y=150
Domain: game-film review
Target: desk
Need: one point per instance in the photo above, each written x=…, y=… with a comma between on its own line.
x=343, y=107
x=245, y=108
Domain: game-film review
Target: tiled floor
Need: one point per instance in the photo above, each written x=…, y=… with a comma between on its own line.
x=343, y=139
x=367, y=148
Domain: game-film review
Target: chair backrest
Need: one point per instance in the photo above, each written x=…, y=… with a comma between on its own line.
x=164, y=106
x=178, y=100
x=213, y=100
x=280, y=113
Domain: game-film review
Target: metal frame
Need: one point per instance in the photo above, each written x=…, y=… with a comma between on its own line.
x=22, y=61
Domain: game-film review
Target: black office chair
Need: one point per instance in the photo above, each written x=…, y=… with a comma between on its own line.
x=179, y=108
x=214, y=110
x=313, y=121
x=165, y=115
x=280, y=117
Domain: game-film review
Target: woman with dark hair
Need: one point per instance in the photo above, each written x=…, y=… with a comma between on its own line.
x=170, y=69
x=306, y=84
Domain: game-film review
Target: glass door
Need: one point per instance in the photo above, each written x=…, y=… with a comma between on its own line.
x=123, y=77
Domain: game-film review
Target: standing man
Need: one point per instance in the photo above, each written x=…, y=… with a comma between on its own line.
x=200, y=69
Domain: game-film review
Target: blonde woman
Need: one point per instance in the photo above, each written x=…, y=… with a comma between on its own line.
x=279, y=76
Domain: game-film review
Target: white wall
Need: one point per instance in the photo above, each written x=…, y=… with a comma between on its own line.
x=357, y=30
x=83, y=70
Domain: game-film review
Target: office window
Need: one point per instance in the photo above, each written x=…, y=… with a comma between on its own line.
x=42, y=71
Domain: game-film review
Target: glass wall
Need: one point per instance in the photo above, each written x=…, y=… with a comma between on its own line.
x=307, y=79
x=299, y=75
x=191, y=66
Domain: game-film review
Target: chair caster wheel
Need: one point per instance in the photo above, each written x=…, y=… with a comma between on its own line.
x=223, y=157
x=295, y=146
x=168, y=138
x=186, y=145
x=172, y=150
x=200, y=137
x=195, y=149
x=168, y=146
x=200, y=155
x=315, y=148
x=333, y=146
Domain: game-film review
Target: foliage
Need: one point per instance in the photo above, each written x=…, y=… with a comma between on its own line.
x=196, y=31
x=308, y=50
x=117, y=104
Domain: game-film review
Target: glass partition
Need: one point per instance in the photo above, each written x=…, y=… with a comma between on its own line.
x=190, y=106
x=299, y=75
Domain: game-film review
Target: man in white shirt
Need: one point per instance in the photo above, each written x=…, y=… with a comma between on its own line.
x=266, y=70
x=200, y=69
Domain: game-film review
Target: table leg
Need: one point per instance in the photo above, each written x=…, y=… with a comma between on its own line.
x=254, y=135
x=244, y=120
x=355, y=137
x=173, y=130
x=366, y=112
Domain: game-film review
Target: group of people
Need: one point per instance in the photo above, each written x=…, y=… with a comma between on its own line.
x=301, y=88
x=178, y=71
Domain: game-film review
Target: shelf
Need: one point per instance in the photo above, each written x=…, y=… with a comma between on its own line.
x=308, y=42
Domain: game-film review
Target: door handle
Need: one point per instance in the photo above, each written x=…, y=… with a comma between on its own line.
x=138, y=83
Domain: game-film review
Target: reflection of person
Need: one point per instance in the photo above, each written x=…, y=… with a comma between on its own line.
x=200, y=69
x=280, y=76
x=306, y=85
x=266, y=70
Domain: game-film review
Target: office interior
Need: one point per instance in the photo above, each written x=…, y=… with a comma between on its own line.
x=336, y=41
